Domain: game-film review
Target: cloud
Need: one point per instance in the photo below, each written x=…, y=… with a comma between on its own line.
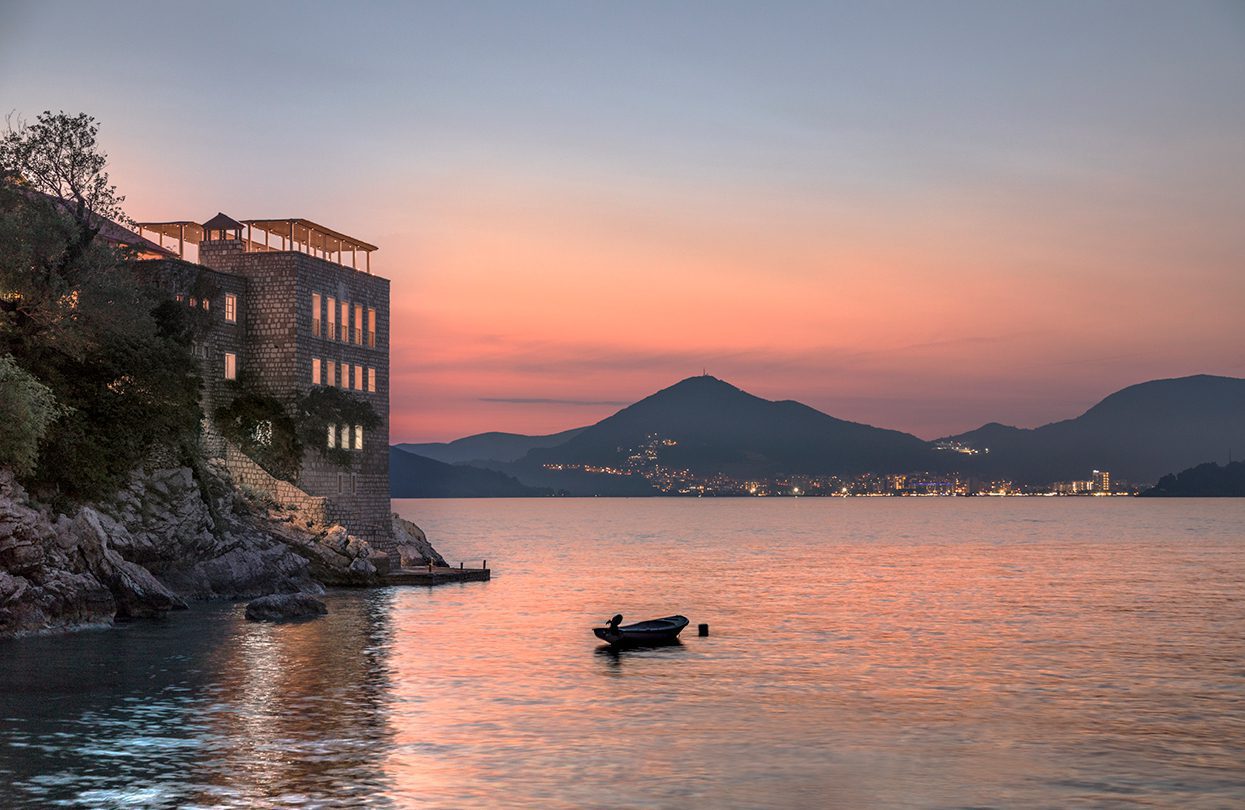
x=549, y=401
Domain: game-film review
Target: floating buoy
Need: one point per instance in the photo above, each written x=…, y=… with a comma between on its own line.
x=702, y=630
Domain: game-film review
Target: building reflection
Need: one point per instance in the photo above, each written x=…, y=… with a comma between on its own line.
x=302, y=710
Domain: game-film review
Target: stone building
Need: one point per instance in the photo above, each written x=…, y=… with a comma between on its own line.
x=287, y=306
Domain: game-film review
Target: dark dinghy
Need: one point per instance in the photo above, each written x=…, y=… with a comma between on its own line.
x=653, y=631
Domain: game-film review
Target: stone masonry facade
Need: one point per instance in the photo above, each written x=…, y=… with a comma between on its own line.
x=282, y=337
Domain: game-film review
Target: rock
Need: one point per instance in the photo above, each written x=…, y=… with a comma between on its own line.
x=380, y=561
x=282, y=607
x=414, y=550
x=136, y=591
x=337, y=539
x=23, y=531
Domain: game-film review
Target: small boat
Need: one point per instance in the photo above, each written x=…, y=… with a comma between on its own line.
x=653, y=631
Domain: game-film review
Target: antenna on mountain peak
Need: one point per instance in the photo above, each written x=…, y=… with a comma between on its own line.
x=703, y=372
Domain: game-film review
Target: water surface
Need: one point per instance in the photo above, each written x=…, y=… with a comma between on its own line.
x=864, y=652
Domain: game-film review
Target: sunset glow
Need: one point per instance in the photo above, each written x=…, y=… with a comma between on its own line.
x=576, y=214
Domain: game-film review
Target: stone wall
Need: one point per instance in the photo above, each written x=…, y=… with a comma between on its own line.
x=282, y=343
x=214, y=335
x=250, y=476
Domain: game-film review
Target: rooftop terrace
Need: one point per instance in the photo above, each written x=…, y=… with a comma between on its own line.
x=262, y=236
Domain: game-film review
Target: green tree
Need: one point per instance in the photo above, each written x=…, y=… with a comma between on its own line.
x=321, y=407
x=27, y=409
x=76, y=314
x=259, y=425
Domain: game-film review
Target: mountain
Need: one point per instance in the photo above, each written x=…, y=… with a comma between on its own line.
x=1203, y=481
x=488, y=446
x=707, y=426
x=414, y=476
x=1138, y=434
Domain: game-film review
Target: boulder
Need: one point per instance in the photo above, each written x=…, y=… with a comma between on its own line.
x=414, y=550
x=284, y=607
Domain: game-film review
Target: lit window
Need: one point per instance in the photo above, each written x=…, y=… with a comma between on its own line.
x=180, y=298
x=371, y=380
x=332, y=375
x=207, y=304
x=371, y=327
x=344, y=433
x=345, y=322
x=332, y=438
x=358, y=437
x=358, y=378
x=315, y=371
x=262, y=435
x=331, y=330
x=231, y=308
x=315, y=314
x=358, y=324
x=194, y=302
x=231, y=366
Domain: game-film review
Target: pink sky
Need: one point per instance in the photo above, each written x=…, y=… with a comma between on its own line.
x=922, y=218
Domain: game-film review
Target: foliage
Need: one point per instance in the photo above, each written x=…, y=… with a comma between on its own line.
x=258, y=423
x=58, y=155
x=322, y=407
x=74, y=314
x=1207, y=480
x=27, y=408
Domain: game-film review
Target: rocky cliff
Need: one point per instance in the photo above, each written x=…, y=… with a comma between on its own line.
x=171, y=535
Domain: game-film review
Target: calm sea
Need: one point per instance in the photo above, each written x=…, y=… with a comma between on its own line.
x=863, y=653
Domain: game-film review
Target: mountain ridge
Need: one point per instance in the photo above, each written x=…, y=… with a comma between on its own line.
x=706, y=426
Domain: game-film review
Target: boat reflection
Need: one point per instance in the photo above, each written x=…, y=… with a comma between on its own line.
x=613, y=656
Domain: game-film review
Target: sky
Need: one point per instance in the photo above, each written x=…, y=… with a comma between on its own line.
x=923, y=216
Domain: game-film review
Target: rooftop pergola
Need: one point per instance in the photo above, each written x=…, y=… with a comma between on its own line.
x=268, y=235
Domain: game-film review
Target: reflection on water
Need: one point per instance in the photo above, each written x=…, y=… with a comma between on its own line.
x=863, y=653
x=204, y=709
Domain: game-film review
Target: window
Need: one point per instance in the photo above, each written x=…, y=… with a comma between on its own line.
x=345, y=322
x=354, y=484
x=231, y=366
x=345, y=437
x=358, y=378
x=262, y=434
x=358, y=437
x=180, y=298
x=339, y=483
x=231, y=308
x=331, y=331
x=331, y=442
x=207, y=304
x=332, y=373
x=358, y=324
x=194, y=302
x=371, y=380
x=371, y=327
x=315, y=371
x=315, y=313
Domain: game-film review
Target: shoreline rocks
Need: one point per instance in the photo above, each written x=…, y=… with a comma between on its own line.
x=285, y=607
x=414, y=550
x=160, y=543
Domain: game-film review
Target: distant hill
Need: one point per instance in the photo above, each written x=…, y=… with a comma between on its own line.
x=717, y=427
x=488, y=446
x=414, y=476
x=1203, y=481
x=1138, y=434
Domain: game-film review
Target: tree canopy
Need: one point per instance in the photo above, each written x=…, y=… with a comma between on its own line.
x=108, y=346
